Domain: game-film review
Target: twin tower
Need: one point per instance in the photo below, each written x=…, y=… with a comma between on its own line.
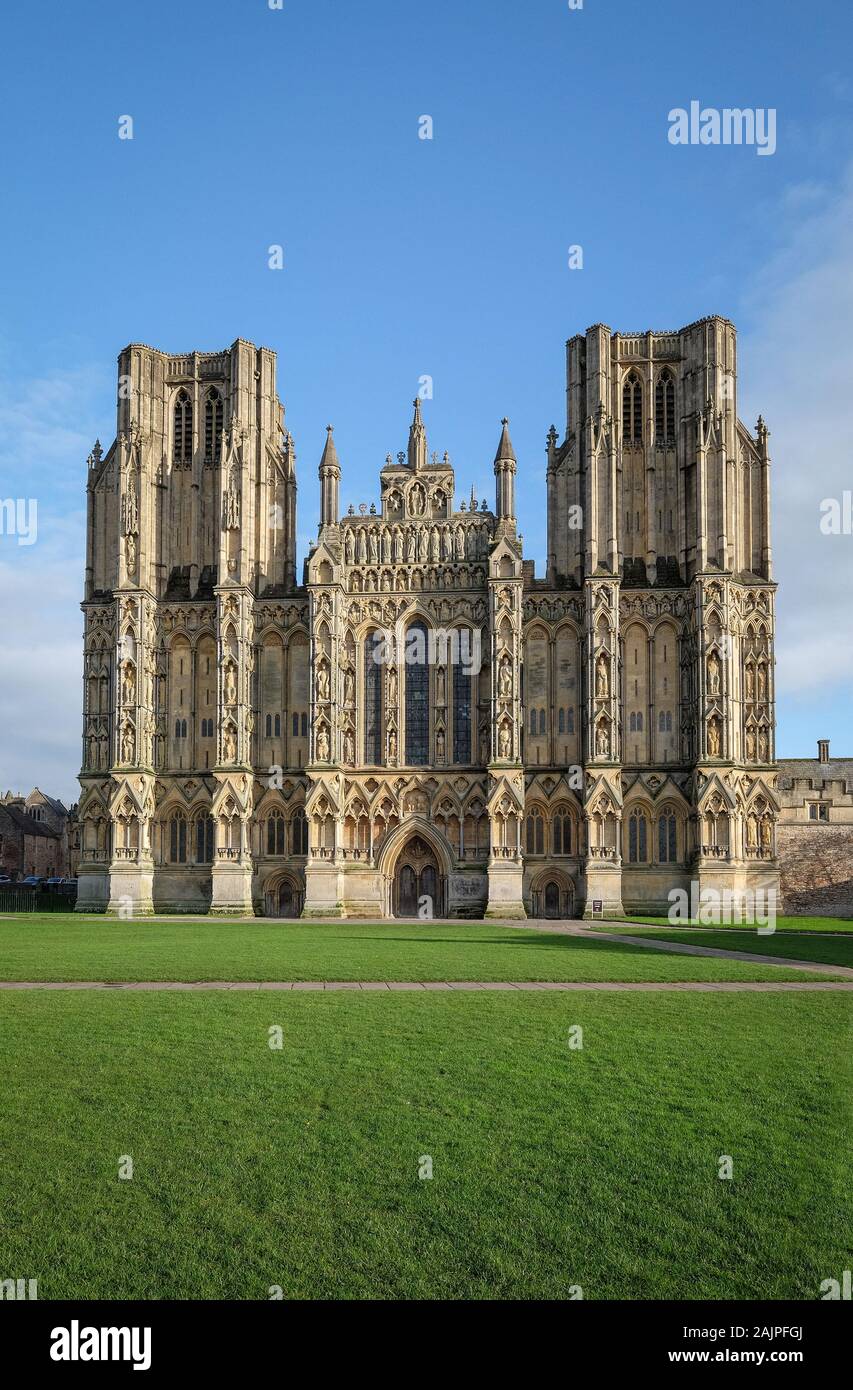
x=417, y=724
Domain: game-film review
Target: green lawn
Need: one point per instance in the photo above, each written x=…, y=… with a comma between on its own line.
x=299, y=1168
x=816, y=924
x=831, y=950
x=55, y=947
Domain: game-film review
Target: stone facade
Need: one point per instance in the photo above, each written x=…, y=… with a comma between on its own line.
x=423, y=724
x=815, y=834
x=36, y=836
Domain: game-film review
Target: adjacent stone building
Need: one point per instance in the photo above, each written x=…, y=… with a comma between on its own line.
x=815, y=834
x=423, y=723
x=35, y=836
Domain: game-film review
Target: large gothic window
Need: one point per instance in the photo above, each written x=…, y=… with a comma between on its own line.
x=665, y=408
x=638, y=838
x=298, y=833
x=178, y=840
x=461, y=708
x=275, y=833
x=373, y=669
x=183, y=444
x=562, y=832
x=632, y=410
x=204, y=840
x=417, y=696
x=535, y=831
x=667, y=838
x=212, y=425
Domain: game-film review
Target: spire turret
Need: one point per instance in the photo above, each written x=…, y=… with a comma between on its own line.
x=505, y=466
x=417, y=440
x=330, y=477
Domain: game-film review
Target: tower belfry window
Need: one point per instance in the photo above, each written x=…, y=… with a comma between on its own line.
x=183, y=442
x=665, y=408
x=212, y=425
x=632, y=410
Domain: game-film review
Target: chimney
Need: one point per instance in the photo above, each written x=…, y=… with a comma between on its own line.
x=823, y=750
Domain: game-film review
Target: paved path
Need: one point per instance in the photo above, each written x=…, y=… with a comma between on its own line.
x=708, y=986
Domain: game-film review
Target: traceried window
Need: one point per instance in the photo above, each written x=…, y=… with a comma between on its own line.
x=275, y=833
x=665, y=408
x=372, y=699
x=417, y=696
x=667, y=838
x=204, y=840
x=298, y=833
x=183, y=442
x=638, y=838
x=212, y=425
x=178, y=840
x=461, y=712
x=535, y=831
x=562, y=832
x=632, y=410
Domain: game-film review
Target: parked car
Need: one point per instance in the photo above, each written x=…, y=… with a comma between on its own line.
x=32, y=881
x=4, y=880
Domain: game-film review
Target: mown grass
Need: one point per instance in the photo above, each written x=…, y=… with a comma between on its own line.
x=552, y=1166
x=830, y=950
x=71, y=948
x=783, y=924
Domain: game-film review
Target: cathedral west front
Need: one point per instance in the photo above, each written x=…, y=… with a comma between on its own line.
x=418, y=724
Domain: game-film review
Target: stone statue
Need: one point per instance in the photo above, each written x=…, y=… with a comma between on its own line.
x=762, y=683
x=323, y=746
x=230, y=745
x=601, y=681
x=130, y=554
x=504, y=741
x=750, y=745
x=128, y=684
x=751, y=832
x=322, y=683
x=763, y=746
x=713, y=674
x=392, y=746
x=602, y=740
x=439, y=686
x=349, y=747
x=349, y=687
x=505, y=681
x=392, y=688
x=750, y=682
x=127, y=744
x=439, y=745
x=714, y=739
x=766, y=833
x=230, y=685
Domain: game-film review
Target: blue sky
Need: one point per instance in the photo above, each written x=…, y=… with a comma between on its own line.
x=405, y=257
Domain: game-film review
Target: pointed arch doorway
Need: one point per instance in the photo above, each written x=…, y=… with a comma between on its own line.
x=417, y=876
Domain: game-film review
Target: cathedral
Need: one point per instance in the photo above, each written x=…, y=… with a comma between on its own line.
x=423, y=726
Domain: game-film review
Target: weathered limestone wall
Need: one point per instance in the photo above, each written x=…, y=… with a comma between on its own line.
x=816, y=863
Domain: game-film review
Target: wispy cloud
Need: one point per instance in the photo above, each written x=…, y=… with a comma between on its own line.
x=47, y=427
x=795, y=370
